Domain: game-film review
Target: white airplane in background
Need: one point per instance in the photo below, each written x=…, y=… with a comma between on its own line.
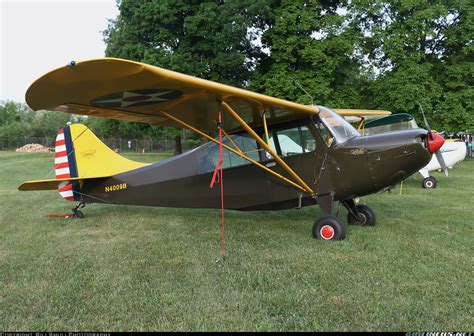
x=452, y=151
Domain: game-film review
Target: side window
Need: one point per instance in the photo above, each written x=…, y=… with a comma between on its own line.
x=248, y=145
x=209, y=156
x=309, y=143
x=293, y=141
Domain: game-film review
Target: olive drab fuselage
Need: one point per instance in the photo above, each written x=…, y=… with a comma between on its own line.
x=359, y=166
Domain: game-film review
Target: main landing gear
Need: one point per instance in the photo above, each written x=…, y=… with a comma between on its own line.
x=330, y=227
x=363, y=216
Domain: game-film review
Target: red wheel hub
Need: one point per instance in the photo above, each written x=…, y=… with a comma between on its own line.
x=327, y=232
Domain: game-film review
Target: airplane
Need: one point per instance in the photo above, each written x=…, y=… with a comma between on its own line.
x=273, y=153
x=452, y=151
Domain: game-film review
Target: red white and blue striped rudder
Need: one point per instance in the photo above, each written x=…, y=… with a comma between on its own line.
x=65, y=164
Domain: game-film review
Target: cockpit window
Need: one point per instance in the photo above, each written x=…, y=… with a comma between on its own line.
x=340, y=129
x=292, y=141
x=209, y=154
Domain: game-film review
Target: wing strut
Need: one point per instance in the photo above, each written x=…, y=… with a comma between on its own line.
x=232, y=150
x=361, y=124
x=300, y=184
x=264, y=117
x=262, y=143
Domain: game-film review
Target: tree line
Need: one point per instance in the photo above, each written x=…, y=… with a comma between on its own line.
x=373, y=54
x=18, y=120
x=346, y=54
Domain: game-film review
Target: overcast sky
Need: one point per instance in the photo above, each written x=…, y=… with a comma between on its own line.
x=37, y=36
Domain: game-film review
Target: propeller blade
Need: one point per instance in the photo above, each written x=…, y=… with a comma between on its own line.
x=440, y=158
x=424, y=118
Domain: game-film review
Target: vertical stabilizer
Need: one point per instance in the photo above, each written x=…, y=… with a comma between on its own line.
x=80, y=154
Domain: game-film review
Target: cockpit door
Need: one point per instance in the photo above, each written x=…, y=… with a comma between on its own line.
x=300, y=146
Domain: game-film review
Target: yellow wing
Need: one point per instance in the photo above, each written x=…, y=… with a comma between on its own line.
x=360, y=116
x=126, y=90
x=362, y=113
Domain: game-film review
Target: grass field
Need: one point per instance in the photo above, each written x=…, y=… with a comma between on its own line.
x=136, y=268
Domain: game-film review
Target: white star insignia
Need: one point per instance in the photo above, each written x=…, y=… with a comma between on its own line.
x=131, y=98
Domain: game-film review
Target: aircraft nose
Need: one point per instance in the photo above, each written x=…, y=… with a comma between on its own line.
x=391, y=156
x=395, y=156
x=434, y=142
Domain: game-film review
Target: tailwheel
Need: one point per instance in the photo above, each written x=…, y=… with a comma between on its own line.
x=429, y=183
x=78, y=213
x=366, y=216
x=329, y=228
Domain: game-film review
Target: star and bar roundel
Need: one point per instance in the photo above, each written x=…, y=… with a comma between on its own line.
x=133, y=98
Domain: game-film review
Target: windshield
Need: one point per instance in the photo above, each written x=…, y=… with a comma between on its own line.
x=340, y=129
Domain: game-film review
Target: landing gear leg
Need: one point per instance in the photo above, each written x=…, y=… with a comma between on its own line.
x=359, y=214
x=328, y=227
x=78, y=213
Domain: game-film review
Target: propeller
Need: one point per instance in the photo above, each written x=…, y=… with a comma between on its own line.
x=434, y=143
x=440, y=158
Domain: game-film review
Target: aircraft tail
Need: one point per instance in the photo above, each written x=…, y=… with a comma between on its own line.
x=80, y=155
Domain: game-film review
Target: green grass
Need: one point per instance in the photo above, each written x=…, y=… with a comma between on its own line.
x=137, y=268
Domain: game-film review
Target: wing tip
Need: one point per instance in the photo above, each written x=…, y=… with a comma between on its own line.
x=33, y=95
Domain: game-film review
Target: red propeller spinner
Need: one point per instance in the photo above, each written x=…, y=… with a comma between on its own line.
x=435, y=141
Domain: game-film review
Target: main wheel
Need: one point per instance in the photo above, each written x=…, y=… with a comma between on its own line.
x=429, y=183
x=329, y=228
x=366, y=216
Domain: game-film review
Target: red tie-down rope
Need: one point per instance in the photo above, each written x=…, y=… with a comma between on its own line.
x=218, y=177
x=68, y=215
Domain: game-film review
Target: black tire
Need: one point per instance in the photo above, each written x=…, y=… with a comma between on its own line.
x=78, y=214
x=329, y=228
x=366, y=214
x=429, y=183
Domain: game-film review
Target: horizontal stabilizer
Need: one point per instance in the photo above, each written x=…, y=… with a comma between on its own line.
x=51, y=184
